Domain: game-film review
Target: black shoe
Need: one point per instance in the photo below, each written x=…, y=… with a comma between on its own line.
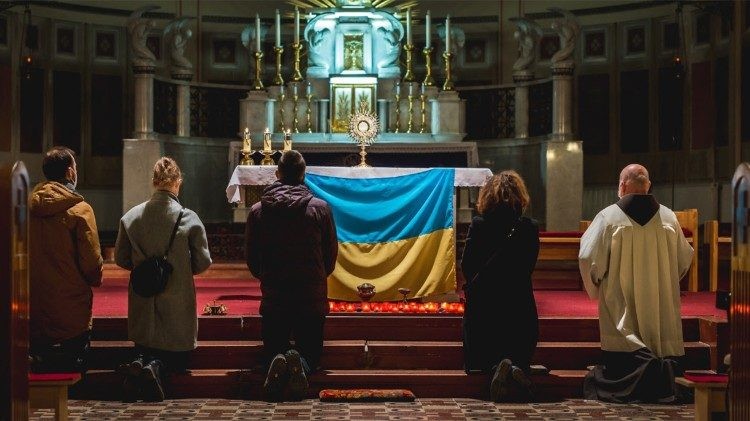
x=276, y=378
x=523, y=383
x=130, y=389
x=151, y=388
x=297, y=379
x=499, y=385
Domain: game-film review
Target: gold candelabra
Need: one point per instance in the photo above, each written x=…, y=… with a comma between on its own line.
x=410, y=121
x=448, y=84
x=428, y=80
x=409, y=75
x=247, y=149
x=267, y=151
x=258, y=81
x=295, y=110
x=281, y=108
x=297, y=76
x=309, y=113
x=278, y=80
x=398, y=113
x=423, y=111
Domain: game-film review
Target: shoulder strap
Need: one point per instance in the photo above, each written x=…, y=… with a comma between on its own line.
x=174, y=232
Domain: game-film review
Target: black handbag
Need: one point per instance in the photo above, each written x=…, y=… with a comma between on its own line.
x=150, y=277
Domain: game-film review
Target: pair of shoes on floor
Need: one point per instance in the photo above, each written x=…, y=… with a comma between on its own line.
x=142, y=381
x=286, y=371
x=508, y=382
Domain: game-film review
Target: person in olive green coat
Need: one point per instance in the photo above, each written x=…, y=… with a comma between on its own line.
x=164, y=327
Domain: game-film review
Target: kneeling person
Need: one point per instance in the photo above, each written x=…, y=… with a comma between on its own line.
x=292, y=248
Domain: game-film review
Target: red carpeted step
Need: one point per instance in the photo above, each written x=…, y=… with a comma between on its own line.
x=383, y=327
x=386, y=355
x=234, y=384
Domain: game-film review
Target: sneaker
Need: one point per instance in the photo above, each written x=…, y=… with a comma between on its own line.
x=151, y=388
x=499, y=384
x=297, y=379
x=523, y=383
x=277, y=377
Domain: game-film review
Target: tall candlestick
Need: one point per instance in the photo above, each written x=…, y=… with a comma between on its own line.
x=257, y=32
x=278, y=29
x=296, y=25
x=288, y=140
x=427, y=30
x=267, y=140
x=408, y=26
x=448, y=34
x=246, y=140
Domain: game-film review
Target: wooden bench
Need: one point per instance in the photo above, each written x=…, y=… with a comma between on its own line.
x=50, y=390
x=718, y=248
x=709, y=397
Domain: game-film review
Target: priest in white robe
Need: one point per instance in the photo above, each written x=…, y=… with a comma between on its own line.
x=631, y=259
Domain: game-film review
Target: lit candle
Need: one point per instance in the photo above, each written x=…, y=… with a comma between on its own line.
x=408, y=26
x=427, y=30
x=267, y=140
x=257, y=33
x=448, y=34
x=288, y=140
x=246, y=147
x=278, y=29
x=296, y=25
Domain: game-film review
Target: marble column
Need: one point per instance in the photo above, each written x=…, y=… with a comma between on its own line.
x=323, y=120
x=383, y=114
x=143, y=101
x=183, y=103
x=254, y=112
x=138, y=159
x=520, y=78
x=562, y=175
x=448, y=111
x=562, y=100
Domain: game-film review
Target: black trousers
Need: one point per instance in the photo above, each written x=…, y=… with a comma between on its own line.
x=307, y=330
x=70, y=355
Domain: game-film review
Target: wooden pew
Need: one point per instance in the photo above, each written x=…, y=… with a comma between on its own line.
x=14, y=293
x=717, y=246
x=688, y=220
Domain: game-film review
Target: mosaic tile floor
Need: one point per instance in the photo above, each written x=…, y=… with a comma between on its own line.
x=423, y=409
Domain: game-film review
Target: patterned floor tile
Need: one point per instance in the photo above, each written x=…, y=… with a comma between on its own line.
x=426, y=409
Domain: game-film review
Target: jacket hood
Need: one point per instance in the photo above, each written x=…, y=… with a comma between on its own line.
x=51, y=197
x=285, y=196
x=639, y=207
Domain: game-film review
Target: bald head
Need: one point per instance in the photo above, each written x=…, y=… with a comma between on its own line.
x=634, y=180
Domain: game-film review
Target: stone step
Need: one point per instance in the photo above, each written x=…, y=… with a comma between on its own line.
x=381, y=327
x=385, y=355
x=242, y=384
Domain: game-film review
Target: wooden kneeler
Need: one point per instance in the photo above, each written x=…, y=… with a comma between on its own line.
x=51, y=391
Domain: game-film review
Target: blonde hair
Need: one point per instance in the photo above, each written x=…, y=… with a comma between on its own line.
x=166, y=172
x=503, y=189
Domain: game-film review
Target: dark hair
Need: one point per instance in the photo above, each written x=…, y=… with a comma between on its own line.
x=56, y=163
x=503, y=189
x=291, y=167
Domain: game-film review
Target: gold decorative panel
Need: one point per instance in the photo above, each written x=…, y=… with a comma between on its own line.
x=344, y=101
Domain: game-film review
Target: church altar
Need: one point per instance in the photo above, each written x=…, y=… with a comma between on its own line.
x=396, y=226
x=263, y=175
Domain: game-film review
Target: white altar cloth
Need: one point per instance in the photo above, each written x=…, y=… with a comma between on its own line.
x=263, y=175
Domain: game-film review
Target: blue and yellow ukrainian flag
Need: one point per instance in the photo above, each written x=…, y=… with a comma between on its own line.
x=393, y=232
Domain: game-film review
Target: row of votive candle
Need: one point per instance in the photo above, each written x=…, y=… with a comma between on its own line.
x=247, y=146
x=395, y=307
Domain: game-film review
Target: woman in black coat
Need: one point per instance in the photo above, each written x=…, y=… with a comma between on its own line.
x=501, y=325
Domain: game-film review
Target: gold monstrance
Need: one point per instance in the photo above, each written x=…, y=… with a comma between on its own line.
x=363, y=128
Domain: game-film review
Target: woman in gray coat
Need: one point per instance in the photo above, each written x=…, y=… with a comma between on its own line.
x=164, y=327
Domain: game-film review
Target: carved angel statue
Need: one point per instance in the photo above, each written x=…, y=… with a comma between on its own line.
x=320, y=44
x=138, y=29
x=178, y=33
x=568, y=29
x=527, y=33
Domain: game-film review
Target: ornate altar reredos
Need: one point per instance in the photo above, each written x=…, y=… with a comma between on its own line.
x=352, y=53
